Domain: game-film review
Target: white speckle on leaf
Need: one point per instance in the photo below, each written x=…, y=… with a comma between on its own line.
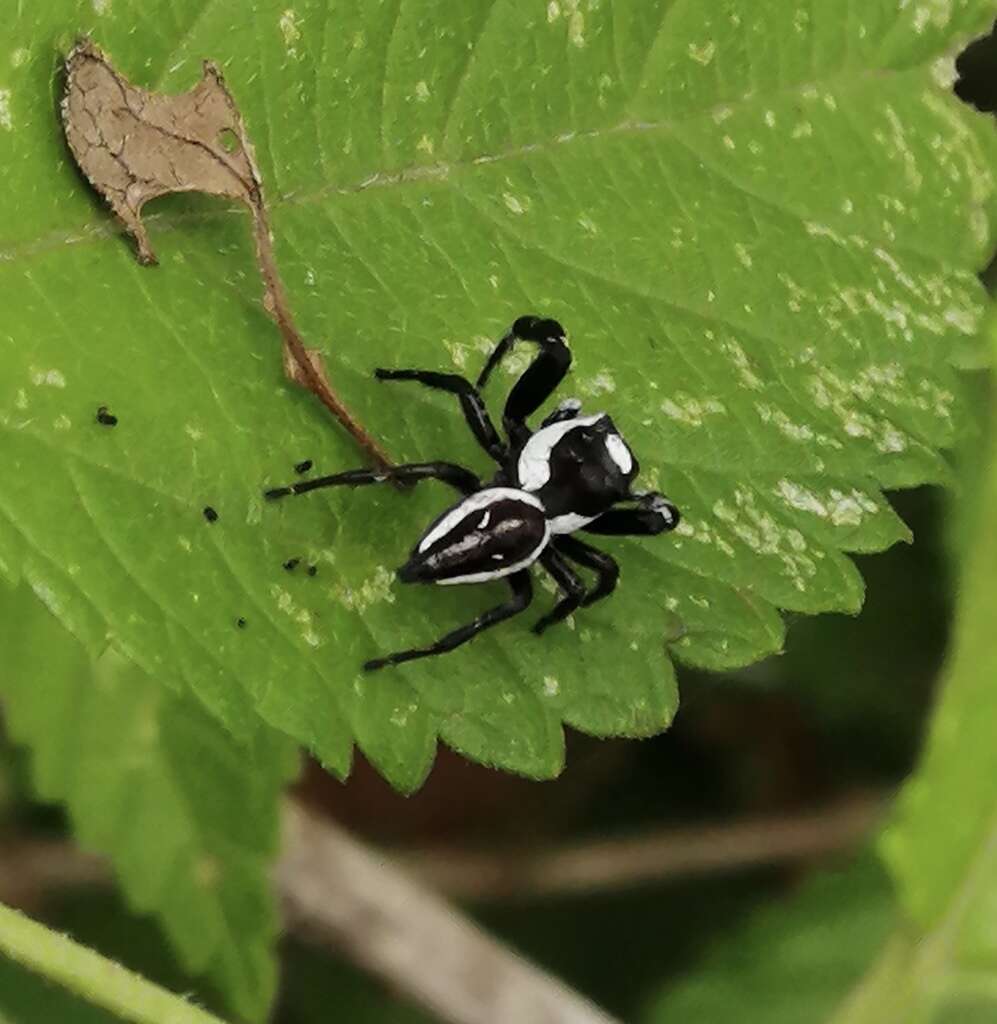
x=729, y=142
x=21, y=399
x=285, y=602
x=944, y=73
x=47, y=596
x=290, y=30
x=588, y=225
x=516, y=361
x=759, y=531
x=903, y=150
x=47, y=378
x=374, y=590
x=794, y=431
x=801, y=19
x=19, y=57
x=934, y=12
x=891, y=441
x=425, y=145
x=576, y=28
x=194, y=433
x=721, y=114
x=966, y=321
x=458, y=353
x=601, y=384
x=847, y=206
x=691, y=411
x=551, y=686
x=6, y=119
x=770, y=118
x=101, y=6
x=815, y=230
x=743, y=255
x=514, y=204
x=421, y=91
x=62, y=422
x=741, y=361
x=553, y=11
x=855, y=424
x=799, y=497
x=185, y=544
x=802, y=130
x=702, y=53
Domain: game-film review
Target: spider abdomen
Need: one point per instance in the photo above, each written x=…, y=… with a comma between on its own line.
x=490, y=534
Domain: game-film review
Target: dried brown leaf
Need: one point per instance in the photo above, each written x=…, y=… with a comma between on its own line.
x=135, y=145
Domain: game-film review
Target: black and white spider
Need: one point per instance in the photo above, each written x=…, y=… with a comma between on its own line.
x=569, y=475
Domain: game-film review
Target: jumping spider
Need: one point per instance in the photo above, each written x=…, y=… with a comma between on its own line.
x=566, y=476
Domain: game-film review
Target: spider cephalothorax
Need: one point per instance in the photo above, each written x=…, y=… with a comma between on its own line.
x=573, y=473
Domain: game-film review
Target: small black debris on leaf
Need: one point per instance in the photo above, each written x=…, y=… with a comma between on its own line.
x=210, y=514
x=312, y=570
x=303, y=467
x=241, y=623
x=105, y=418
x=291, y=564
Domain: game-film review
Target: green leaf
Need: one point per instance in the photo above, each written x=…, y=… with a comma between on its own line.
x=790, y=963
x=771, y=321
x=942, y=845
x=187, y=816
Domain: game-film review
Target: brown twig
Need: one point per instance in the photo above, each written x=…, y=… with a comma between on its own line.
x=335, y=889
x=276, y=304
x=661, y=855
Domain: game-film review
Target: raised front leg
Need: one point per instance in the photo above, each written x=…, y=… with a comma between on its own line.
x=461, y=479
x=471, y=404
x=569, y=582
x=541, y=377
x=653, y=514
x=522, y=594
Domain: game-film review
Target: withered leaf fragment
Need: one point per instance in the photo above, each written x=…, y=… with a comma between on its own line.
x=134, y=145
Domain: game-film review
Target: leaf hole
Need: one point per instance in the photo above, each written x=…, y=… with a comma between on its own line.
x=228, y=140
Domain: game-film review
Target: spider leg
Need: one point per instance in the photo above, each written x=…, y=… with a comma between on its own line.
x=604, y=565
x=653, y=514
x=471, y=403
x=522, y=594
x=569, y=581
x=541, y=377
x=462, y=480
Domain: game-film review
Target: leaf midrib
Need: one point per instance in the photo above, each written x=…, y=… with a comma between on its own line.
x=441, y=171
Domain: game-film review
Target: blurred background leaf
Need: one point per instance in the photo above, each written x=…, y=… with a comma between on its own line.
x=188, y=817
x=791, y=963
